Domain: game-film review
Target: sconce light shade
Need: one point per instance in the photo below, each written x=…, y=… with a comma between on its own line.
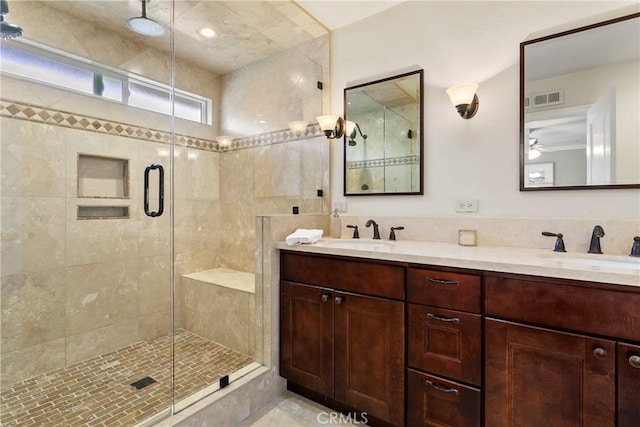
x=298, y=126
x=331, y=125
x=464, y=98
x=224, y=140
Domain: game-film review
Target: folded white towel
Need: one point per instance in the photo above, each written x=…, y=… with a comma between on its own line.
x=302, y=235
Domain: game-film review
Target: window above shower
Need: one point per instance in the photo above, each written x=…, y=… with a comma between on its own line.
x=37, y=63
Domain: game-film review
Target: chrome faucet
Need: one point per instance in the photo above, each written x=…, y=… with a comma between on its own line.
x=376, y=231
x=594, y=246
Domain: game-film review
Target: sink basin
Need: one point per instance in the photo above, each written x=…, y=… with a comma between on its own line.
x=595, y=260
x=355, y=244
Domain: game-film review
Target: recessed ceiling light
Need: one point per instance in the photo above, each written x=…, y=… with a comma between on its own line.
x=207, y=32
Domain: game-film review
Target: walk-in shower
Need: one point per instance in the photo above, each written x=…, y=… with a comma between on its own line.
x=128, y=235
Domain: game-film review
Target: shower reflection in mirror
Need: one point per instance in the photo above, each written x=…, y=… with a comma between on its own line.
x=383, y=141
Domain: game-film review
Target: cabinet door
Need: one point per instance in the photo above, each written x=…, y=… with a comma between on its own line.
x=306, y=336
x=432, y=401
x=369, y=355
x=628, y=385
x=445, y=342
x=537, y=377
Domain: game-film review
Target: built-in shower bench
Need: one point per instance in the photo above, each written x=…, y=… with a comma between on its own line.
x=219, y=304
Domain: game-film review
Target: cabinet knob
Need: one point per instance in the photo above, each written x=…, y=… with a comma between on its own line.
x=338, y=300
x=324, y=297
x=634, y=361
x=600, y=352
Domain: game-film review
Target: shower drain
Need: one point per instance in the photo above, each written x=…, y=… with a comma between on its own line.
x=140, y=384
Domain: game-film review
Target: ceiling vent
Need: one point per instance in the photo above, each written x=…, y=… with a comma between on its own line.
x=544, y=99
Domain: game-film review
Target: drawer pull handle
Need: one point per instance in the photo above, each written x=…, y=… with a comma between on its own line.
x=634, y=361
x=600, y=352
x=442, y=282
x=324, y=297
x=443, y=319
x=338, y=300
x=442, y=389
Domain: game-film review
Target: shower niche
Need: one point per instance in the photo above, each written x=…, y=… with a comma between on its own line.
x=103, y=180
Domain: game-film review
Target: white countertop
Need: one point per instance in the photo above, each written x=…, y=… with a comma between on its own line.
x=615, y=269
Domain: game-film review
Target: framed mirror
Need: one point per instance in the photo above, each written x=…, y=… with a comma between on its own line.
x=579, y=108
x=383, y=143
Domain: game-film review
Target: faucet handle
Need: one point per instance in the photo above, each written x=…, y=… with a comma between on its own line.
x=392, y=235
x=356, y=235
x=635, y=247
x=559, y=246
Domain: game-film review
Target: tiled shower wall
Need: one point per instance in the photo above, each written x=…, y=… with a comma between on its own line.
x=280, y=170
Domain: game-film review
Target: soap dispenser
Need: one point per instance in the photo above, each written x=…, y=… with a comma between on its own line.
x=336, y=225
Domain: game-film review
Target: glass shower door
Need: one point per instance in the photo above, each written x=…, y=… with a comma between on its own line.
x=86, y=275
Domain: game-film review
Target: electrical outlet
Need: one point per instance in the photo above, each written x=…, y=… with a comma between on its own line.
x=466, y=206
x=341, y=206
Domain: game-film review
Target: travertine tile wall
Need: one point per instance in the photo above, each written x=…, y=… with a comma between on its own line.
x=272, y=179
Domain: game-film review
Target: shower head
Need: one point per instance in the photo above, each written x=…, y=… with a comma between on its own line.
x=7, y=31
x=143, y=25
x=354, y=133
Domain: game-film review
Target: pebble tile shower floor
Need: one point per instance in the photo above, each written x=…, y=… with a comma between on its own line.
x=97, y=392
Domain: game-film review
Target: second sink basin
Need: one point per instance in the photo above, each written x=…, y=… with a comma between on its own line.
x=595, y=260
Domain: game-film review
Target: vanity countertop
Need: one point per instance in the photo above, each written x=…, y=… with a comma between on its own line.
x=615, y=269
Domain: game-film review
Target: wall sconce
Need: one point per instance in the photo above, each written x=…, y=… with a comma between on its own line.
x=224, y=140
x=464, y=98
x=331, y=125
x=298, y=126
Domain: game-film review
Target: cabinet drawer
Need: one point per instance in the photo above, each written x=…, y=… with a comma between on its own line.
x=432, y=401
x=578, y=306
x=346, y=274
x=456, y=291
x=445, y=342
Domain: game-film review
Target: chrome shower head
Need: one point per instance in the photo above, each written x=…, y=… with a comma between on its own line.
x=7, y=31
x=143, y=25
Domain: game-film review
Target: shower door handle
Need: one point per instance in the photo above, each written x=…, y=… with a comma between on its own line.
x=160, y=169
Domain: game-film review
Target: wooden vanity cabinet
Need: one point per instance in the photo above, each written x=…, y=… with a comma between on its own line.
x=628, y=385
x=553, y=354
x=342, y=334
x=444, y=346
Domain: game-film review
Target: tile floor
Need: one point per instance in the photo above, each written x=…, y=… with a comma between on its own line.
x=97, y=392
x=292, y=410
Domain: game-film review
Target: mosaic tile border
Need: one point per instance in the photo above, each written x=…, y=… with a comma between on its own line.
x=275, y=137
x=39, y=114
x=376, y=163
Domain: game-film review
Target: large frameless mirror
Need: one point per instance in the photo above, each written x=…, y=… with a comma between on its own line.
x=383, y=147
x=579, y=109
